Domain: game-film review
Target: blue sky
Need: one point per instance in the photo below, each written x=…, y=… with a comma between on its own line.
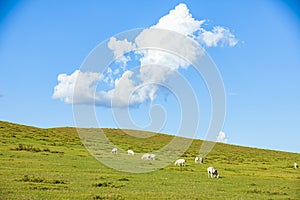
x=41, y=39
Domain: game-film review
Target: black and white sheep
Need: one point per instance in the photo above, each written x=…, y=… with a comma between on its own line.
x=211, y=172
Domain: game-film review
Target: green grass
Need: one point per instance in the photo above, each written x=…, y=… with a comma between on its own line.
x=53, y=164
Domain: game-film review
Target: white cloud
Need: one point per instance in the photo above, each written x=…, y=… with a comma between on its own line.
x=179, y=20
x=126, y=92
x=109, y=77
x=119, y=47
x=124, y=87
x=219, y=36
x=127, y=87
x=157, y=65
x=221, y=137
x=85, y=84
x=80, y=88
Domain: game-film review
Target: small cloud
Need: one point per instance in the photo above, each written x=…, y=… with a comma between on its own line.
x=219, y=36
x=221, y=137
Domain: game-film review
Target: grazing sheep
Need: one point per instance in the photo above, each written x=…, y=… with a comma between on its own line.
x=152, y=156
x=114, y=150
x=180, y=162
x=146, y=156
x=199, y=159
x=130, y=152
x=212, y=171
x=296, y=165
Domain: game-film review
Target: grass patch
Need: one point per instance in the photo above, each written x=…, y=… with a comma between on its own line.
x=23, y=147
x=30, y=148
x=103, y=184
x=33, y=179
x=106, y=197
x=123, y=179
x=107, y=184
x=258, y=191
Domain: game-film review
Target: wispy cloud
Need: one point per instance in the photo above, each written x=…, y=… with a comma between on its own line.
x=128, y=87
x=218, y=36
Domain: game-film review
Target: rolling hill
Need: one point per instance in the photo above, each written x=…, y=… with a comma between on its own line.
x=53, y=163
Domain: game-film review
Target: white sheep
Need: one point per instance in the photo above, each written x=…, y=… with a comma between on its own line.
x=130, y=152
x=114, y=150
x=146, y=156
x=152, y=156
x=180, y=162
x=212, y=171
x=296, y=165
x=199, y=159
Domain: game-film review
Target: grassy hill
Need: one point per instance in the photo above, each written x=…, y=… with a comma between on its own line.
x=53, y=164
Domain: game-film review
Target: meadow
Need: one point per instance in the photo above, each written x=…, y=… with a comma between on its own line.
x=53, y=163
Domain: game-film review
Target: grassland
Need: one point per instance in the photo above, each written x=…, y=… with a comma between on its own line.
x=53, y=164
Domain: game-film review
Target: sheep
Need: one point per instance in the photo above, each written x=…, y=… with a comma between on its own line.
x=296, y=165
x=148, y=156
x=152, y=156
x=180, y=162
x=212, y=171
x=114, y=150
x=130, y=152
x=199, y=159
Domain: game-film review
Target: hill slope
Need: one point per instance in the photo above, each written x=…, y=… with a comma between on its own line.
x=53, y=164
